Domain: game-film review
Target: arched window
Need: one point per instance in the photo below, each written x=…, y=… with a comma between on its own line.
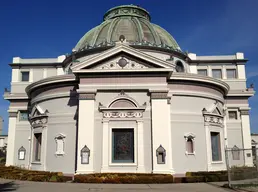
x=180, y=67
x=189, y=144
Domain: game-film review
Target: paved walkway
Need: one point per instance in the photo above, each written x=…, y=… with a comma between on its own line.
x=26, y=186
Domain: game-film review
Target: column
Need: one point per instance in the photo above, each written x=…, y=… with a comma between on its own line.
x=105, y=146
x=225, y=127
x=208, y=145
x=161, y=131
x=141, y=148
x=86, y=131
x=11, y=139
x=246, y=135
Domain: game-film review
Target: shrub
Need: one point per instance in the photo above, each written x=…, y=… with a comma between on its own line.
x=12, y=172
x=203, y=176
x=123, y=178
x=195, y=179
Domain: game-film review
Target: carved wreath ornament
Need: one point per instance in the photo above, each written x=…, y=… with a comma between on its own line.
x=38, y=121
x=122, y=114
x=211, y=119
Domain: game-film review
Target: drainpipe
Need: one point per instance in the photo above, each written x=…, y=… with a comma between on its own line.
x=29, y=155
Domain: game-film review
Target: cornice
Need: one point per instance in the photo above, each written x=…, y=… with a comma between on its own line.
x=125, y=70
x=15, y=96
x=50, y=80
x=125, y=49
x=242, y=61
x=52, y=96
x=202, y=79
x=241, y=93
x=197, y=94
x=35, y=64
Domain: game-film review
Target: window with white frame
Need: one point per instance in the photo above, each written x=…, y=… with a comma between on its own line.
x=217, y=73
x=232, y=115
x=23, y=116
x=37, y=146
x=25, y=76
x=215, y=146
x=189, y=144
x=122, y=145
x=231, y=73
x=60, y=144
x=202, y=72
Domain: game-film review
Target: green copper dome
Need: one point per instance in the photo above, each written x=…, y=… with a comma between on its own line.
x=133, y=23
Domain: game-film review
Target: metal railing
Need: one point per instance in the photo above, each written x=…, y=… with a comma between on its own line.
x=242, y=166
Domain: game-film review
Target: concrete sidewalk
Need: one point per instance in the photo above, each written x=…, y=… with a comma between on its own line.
x=26, y=186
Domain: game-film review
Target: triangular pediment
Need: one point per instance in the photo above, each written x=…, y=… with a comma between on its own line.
x=215, y=109
x=122, y=57
x=37, y=111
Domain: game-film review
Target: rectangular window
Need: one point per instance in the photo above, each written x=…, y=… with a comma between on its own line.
x=216, y=73
x=123, y=146
x=231, y=73
x=202, y=72
x=215, y=146
x=232, y=115
x=25, y=76
x=254, y=151
x=37, y=145
x=23, y=116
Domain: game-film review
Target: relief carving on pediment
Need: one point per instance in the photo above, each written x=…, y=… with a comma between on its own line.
x=214, y=120
x=121, y=63
x=39, y=121
x=122, y=114
x=38, y=117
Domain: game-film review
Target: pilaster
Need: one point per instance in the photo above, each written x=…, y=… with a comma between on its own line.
x=140, y=135
x=11, y=138
x=246, y=135
x=161, y=130
x=105, y=146
x=86, y=131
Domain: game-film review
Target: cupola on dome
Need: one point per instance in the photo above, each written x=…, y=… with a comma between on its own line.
x=131, y=22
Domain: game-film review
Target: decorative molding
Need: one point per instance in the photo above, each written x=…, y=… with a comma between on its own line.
x=202, y=79
x=123, y=114
x=85, y=155
x=13, y=114
x=127, y=11
x=51, y=80
x=159, y=95
x=51, y=96
x=60, y=141
x=161, y=155
x=213, y=120
x=190, y=136
x=87, y=96
x=121, y=63
x=215, y=115
x=39, y=121
x=123, y=49
x=244, y=112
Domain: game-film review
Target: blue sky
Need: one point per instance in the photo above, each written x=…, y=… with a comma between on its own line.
x=39, y=29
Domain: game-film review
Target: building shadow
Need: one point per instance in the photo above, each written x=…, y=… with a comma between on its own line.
x=8, y=186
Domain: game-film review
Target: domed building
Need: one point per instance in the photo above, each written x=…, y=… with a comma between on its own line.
x=128, y=99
